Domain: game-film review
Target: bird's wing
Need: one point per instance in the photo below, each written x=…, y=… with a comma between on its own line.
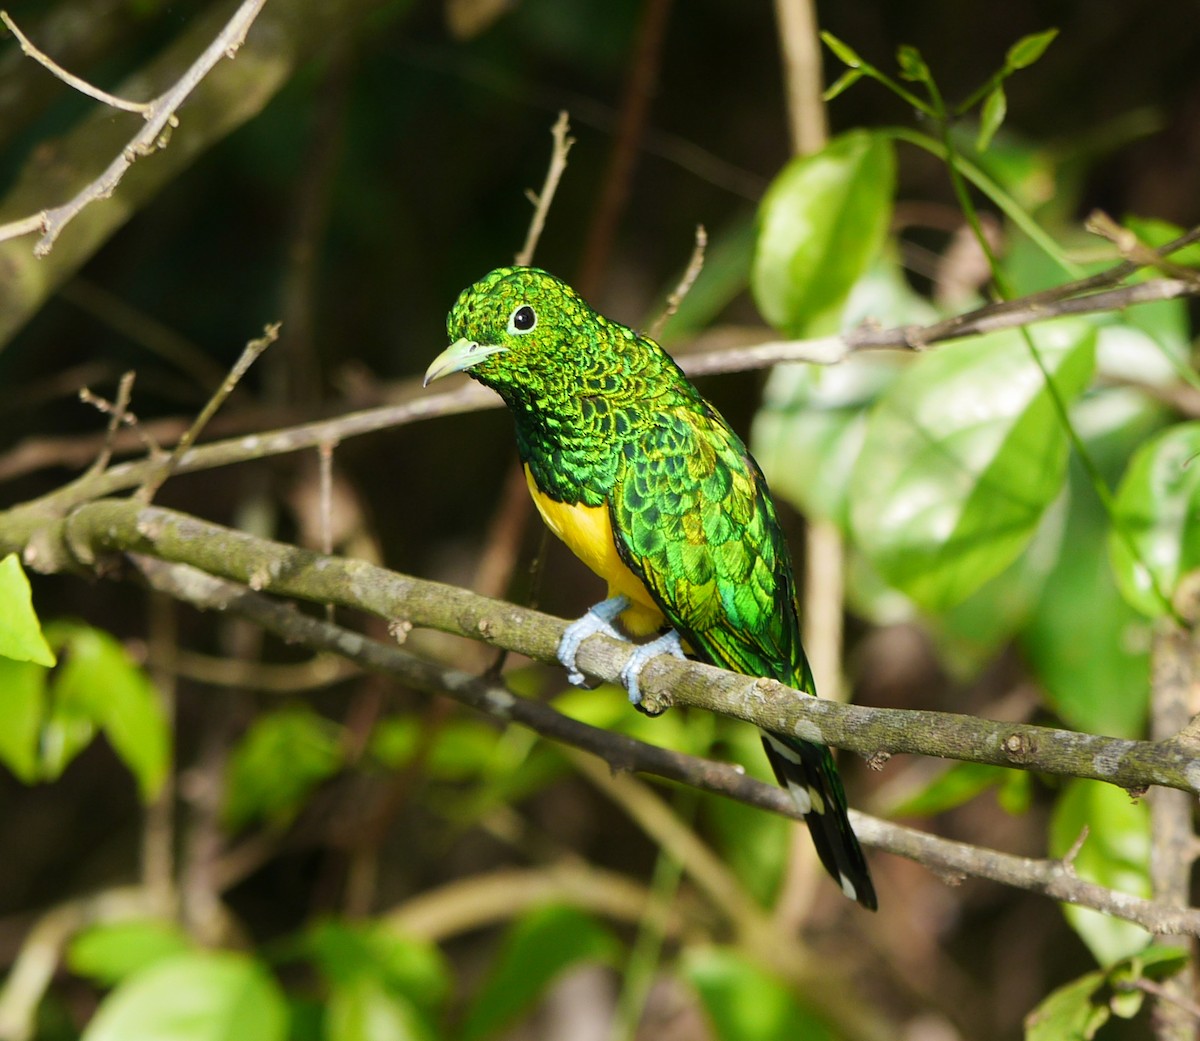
x=692, y=519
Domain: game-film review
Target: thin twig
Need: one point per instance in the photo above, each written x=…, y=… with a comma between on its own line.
x=542, y=200
x=1135, y=250
x=248, y=357
x=118, y=413
x=695, y=265
x=160, y=118
x=143, y=108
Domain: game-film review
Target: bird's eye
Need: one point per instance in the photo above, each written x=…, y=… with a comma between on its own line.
x=522, y=320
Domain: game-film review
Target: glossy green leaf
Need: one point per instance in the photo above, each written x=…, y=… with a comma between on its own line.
x=821, y=223
x=199, y=996
x=961, y=458
x=746, y=1003
x=22, y=706
x=951, y=788
x=537, y=949
x=991, y=116
x=1070, y=1013
x=20, y=632
x=110, y=952
x=1158, y=517
x=99, y=684
x=1029, y=49
x=282, y=757
x=1116, y=853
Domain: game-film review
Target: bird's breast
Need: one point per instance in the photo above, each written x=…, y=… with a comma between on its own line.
x=588, y=533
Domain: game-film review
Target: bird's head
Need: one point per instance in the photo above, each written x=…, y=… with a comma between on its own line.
x=509, y=326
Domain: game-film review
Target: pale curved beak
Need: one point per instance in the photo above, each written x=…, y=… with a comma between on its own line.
x=459, y=357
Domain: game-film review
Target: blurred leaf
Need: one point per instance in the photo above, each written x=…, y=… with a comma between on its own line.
x=20, y=632
x=843, y=83
x=347, y=953
x=1115, y=854
x=962, y=456
x=365, y=1010
x=1158, y=512
x=99, y=684
x=110, y=952
x=1156, y=233
x=821, y=223
x=1069, y=1013
x=1028, y=49
x=952, y=787
x=844, y=52
x=912, y=66
x=22, y=706
x=275, y=767
x=1088, y=648
x=199, y=996
x=744, y=1002
x=539, y=947
x=991, y=116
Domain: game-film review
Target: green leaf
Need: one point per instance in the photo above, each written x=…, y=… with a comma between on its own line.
x=1087, y=647
x=1069, y=1013
x=995, y=108
x=845, y=81
x=277, y=764
x=22, y=706
x=1029, y=49
x=20, y=632
x=1115, y=854
x=348, y=952
x=199, y=996
x=912, y=65
x=1158, y=512
x=821, y=223
x=952, y=787
x=845, y=52
x=110, y=952
x=367, y=1011
x=537, y=949
x=962, y=456
x=100, y=684
x=744, y=1002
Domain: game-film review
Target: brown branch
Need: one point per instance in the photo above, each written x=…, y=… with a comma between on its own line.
x=160, y=115
x=1051, y=878
x=695, y=265
x=542, y=200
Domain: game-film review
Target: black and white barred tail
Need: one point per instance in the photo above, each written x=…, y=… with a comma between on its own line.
x=807, y=771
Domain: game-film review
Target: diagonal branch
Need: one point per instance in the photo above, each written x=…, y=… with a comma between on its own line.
x=1051, y=878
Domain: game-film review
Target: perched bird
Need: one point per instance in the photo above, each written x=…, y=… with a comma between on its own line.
x=647, y=484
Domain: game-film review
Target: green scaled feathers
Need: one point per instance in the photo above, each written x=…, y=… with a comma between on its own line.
x=608, y=423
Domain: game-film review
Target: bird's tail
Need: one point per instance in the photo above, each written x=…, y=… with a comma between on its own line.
x=807, y=771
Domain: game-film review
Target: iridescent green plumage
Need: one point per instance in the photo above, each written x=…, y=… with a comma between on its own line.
x=605, y=419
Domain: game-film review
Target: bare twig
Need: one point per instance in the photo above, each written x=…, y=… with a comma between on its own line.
x=118, y=413
x=541, y=201
x=160, y=116
x=144, y=108
x=1134, y=250
x=248, y=357
x=695, y=265
x=1051, y=878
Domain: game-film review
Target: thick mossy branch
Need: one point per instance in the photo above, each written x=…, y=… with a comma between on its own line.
x=118, y=526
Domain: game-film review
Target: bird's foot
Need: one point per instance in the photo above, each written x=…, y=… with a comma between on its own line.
x=599, y=619
x=668, y=643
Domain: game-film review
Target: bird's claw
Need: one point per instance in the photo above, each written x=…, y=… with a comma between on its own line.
x=598, y=619
x=668, y=643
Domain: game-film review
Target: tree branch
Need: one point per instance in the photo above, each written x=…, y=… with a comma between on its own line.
x=120, y=526
x=1050, y=878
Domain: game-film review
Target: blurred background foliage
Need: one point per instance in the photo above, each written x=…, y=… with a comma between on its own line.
x=373, y=865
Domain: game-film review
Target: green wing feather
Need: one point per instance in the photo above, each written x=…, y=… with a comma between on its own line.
x=694, y=521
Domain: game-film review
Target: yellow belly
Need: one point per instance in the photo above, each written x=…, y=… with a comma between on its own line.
x=587, y=531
